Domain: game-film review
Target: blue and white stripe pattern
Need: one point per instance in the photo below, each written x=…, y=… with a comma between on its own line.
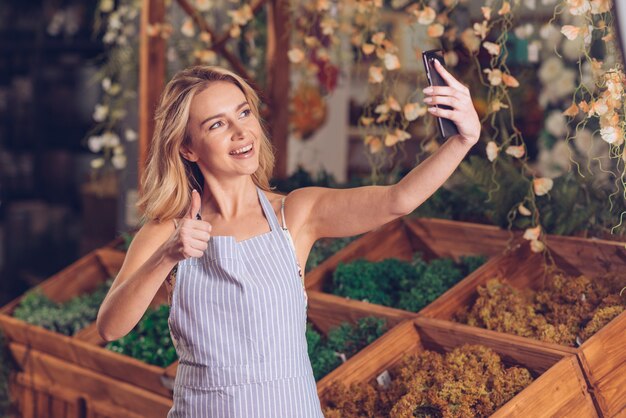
x=238, y=317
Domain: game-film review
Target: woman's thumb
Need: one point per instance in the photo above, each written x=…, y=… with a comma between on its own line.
x=194, y=209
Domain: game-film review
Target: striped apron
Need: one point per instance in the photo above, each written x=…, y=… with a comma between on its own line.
x=238, y=319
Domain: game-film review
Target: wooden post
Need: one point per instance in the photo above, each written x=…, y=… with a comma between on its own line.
x=151, y=75
x=278, y=80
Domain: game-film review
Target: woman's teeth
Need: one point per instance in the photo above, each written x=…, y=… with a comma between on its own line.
x=242, y=150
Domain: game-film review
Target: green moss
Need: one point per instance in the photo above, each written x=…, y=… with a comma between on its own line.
x=343, y=341
x=65, y=318
x=150, y=340
x=400, y=284
x=325, y=248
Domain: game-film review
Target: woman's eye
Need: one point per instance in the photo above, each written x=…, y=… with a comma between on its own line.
x=215, y=125
x=246, y=112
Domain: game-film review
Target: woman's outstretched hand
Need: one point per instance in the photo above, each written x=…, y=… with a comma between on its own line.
x=191, y=236
x=457, y=96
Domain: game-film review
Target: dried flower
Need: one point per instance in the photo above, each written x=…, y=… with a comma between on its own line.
x=435, y=30
x=376, y=75
x=100, y=112
x=494, y=76
x=492, y=151
x=295, y=55
x=413, y=111
x=523, y=210
x=570, y=32
x=542, y=185
x=374, y=143
x=188, y=28
x=578, y=7
x=509, y=80
x=506, y=8
x=532, y=233
x=368, y=48
x=486, y=12
x=516, y=151
x=470, y=40
x=493, y=49
x=571, y=111
x=391, y=62
x=241, y=16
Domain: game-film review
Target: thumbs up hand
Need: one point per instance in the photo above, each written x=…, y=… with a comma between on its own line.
x=192, y=234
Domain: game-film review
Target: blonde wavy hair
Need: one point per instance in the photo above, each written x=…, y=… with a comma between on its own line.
x=168, y=179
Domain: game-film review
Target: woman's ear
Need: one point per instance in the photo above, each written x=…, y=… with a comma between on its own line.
x=188, y=154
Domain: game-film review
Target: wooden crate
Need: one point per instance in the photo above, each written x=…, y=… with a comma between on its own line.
x=603, y=358
x=85, y=348
x=94, y=386
x=83, y=276
x=36, y=397
x=524, y=269
x=97, y=409
x=560, y=389
x=435, y=238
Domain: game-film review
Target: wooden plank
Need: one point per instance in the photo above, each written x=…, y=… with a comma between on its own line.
x=111, y=260
x=560, y=392
x=454, y=239
x=33, y=336
x=91, y=384
x=151, y=75
x=119, y=367
x=41, y=398
x=97, y=409
x=603, y=358
x=590, y=256
x=278, y=65
x=329, y=311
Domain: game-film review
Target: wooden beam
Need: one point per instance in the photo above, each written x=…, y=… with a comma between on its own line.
x=151, y=75
x=278, y=80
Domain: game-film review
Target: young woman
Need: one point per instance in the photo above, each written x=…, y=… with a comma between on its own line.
x=238, y=305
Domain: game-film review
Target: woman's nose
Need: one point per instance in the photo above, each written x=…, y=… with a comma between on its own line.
x=238, y=130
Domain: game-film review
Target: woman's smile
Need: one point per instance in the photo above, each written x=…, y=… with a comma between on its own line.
x=243, y=152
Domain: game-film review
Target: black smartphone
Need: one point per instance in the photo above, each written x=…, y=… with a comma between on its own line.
x=447, y=128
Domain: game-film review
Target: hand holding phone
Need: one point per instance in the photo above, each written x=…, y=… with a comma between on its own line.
x=447, y=128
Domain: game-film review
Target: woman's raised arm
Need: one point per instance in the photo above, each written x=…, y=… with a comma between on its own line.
x=347, y=212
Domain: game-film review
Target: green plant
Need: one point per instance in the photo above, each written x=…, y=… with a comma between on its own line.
x=325, y=248
x=65, y=318
x=401, y=284
x=150, y=340
x=374, y=282
x=7, y=367
x=344, y=341
x=127, y=238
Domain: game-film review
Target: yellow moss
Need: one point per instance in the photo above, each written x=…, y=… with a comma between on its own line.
x=558, y=313
x=469, y=381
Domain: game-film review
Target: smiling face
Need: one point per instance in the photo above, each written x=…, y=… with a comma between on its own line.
x=224, y=134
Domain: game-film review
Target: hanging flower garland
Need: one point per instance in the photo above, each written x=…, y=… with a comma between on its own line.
x=390, y=117
x=117, y=78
